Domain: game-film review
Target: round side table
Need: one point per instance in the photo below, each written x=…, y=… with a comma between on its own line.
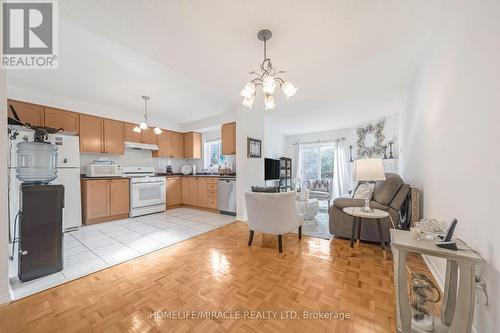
x=358, y=214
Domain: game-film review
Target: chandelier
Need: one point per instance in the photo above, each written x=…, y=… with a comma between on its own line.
x=144, y=125
x=268, y=79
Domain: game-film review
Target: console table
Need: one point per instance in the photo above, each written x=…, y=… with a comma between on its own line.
x=457, y=309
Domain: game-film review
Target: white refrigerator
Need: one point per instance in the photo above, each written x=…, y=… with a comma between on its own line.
x=68, y=175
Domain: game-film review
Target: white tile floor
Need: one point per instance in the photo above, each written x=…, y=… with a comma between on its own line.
x=92, y=248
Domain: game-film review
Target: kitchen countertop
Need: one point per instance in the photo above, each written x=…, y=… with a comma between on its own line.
x=100, y=178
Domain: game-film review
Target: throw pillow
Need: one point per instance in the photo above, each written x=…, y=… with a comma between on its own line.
x=265, y=189
x=321, y=185
x=361, y=192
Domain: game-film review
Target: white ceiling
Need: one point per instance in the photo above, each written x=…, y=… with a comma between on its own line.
x=352, y=60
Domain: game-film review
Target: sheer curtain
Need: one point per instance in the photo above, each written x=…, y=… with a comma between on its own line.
x=342, y=182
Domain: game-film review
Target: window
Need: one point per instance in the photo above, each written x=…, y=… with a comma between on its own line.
x=212, y=153
x=315, y=162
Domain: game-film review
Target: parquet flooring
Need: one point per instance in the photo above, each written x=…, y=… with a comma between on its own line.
x=217, y=271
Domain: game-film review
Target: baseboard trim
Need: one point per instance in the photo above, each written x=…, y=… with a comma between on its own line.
x=435, y=272
x=5, y=298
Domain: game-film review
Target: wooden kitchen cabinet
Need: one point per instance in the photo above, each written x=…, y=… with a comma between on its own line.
x=119, y=196
x=190, y=191
x=114, y=138
x=130, y=135
x=57, y=118
x=164, y=145
x=149, y=136
x=199, y=191
x=177, y=144
x=202, y=192
x=104, y=200
x=98, y=135
x=174, y=191
x=27, y=112
x=91, y=134
x=228, y=138
x=192, y=145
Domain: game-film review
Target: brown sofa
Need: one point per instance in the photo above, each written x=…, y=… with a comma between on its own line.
x=389, y=196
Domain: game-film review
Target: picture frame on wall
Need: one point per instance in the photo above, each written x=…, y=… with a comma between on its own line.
x=254, y=148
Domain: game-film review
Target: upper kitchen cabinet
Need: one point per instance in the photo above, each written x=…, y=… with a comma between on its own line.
x=149, y=136
x=177, y=145
x=98, y=135
x=91, y=134
x=192, y=145
x=27, y=112
x=113, y=137
x=57, y=118
x=228, y=138
x=130, y=135
x=164, y=145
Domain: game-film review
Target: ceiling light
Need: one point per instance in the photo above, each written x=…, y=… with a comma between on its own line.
x=248, y=102
x=288, y=89
x=144, y=125
x=267, y=78
x=269, y=102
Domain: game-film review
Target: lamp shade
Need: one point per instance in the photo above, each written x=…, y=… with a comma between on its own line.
x=369, y=169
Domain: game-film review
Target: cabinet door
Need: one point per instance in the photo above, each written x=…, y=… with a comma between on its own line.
x=130, y=135
x=164, y=145
x=96, y=199
x=149, y=136
x=27, y=112
x=174, y=191
x=228, y=137
x=192, y=145
x=57, y=118
x=193, y=191
x=119, y=196
x=113, y=137
x=91, y=134
x=202, y=189
x=184, y=190
x=177, y=145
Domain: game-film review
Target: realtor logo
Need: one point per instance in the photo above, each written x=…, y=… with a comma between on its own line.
x=29, y=35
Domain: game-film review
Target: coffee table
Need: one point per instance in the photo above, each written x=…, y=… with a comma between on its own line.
x=308, y=208
x=358, y=214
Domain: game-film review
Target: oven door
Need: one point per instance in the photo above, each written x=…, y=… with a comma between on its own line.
x=148, y=194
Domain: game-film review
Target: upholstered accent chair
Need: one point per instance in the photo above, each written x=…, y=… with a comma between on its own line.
x=272, y=213
x=320, y=189
x=389, y=195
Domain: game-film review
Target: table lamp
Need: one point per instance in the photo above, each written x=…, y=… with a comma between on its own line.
x=368, y=170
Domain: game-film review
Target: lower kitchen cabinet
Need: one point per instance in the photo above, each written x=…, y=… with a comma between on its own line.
x=174, y=191
x=199, y=191
x=105, y=200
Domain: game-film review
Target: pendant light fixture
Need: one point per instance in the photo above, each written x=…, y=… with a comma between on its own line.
x=144, y=125
x=268, y=79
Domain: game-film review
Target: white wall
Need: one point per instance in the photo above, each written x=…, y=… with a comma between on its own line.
x=4, y=267
x=250, y=171
x=274, y=140
x=450, y=135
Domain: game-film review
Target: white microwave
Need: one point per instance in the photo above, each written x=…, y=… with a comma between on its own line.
x=103, y=170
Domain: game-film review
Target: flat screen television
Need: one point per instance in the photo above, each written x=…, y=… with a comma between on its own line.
x=271, y=169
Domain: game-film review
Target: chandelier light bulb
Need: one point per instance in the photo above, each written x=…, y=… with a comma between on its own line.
x=288, y=89
x=269, y=102
x=248, y=90
x=268, y=84
x=157, y=130
x=248, y=102
x=136, y=129
x=143, y=126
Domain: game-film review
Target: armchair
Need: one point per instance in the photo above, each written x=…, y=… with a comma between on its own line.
x=272, y=213
x=320, y=189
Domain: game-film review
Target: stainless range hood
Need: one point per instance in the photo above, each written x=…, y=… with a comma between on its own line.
x=140, y=146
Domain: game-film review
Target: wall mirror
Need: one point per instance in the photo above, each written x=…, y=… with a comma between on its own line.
x=370, y=140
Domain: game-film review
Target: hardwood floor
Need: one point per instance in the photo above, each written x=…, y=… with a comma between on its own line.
x=217, y=271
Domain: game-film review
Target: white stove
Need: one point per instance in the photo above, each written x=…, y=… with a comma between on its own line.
x=147, y=191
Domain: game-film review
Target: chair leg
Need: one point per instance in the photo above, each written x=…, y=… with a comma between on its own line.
x=300, y=232
x=280, y=243
x=250, y=237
